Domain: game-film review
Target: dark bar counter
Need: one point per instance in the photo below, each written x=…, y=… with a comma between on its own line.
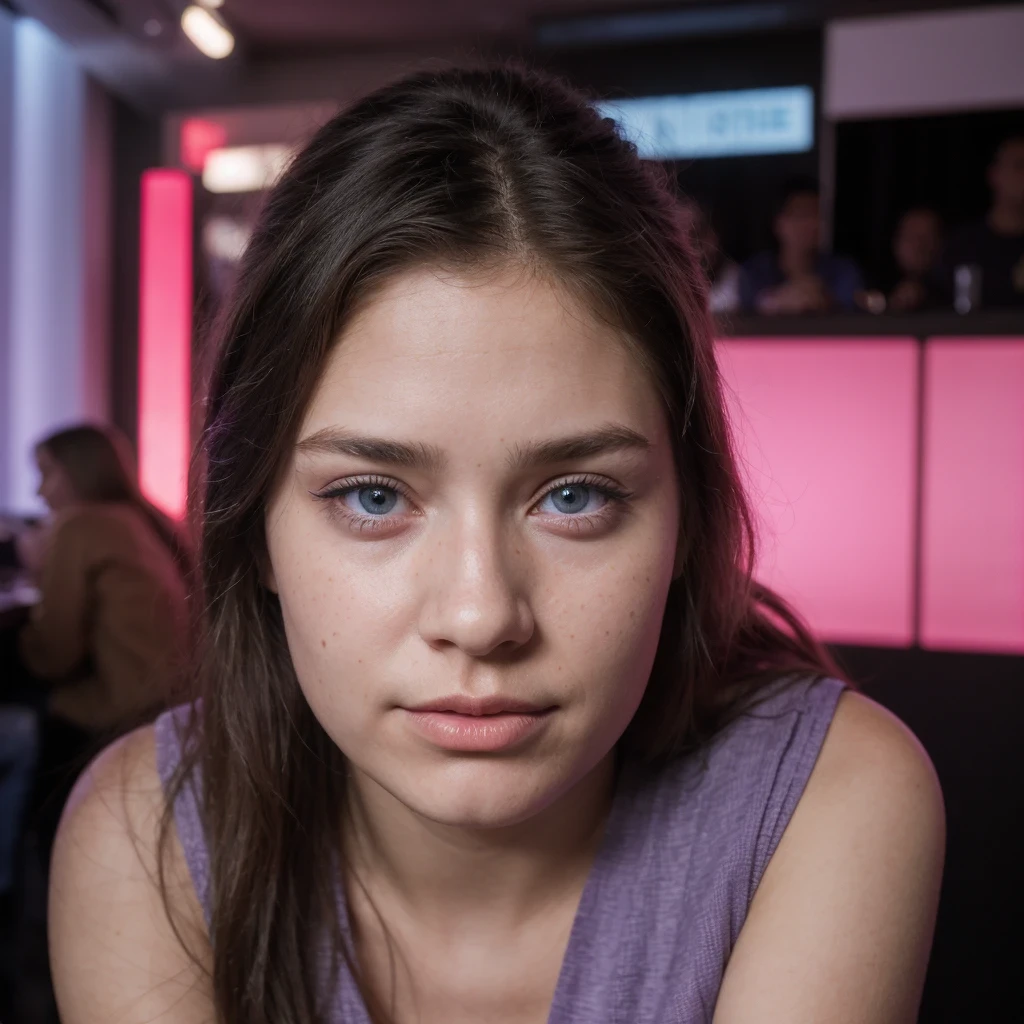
x=937, y=323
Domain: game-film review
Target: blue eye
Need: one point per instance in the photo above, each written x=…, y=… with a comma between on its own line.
x=374, y=499
x=367, y=505
x=571, y=499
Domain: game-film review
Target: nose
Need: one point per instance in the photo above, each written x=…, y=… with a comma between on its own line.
x=473, y=600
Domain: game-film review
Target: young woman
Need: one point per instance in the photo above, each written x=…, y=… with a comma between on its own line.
x=494, y=724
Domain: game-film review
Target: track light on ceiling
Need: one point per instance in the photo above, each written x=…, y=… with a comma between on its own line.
x=207, y=31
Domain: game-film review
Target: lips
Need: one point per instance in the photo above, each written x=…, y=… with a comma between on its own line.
x=477, y=725
x=459, y=704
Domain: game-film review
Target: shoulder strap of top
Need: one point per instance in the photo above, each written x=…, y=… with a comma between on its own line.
x=795, y=716
x=685, y=848
x=170, y=730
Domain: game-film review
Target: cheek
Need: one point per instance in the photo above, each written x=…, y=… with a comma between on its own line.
x=332, y=651
x=603, y=627
x=321, y=616
x=342, y=619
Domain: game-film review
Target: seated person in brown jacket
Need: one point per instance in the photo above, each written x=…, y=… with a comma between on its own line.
x=109, y=634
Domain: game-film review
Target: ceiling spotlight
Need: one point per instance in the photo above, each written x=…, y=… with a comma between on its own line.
x=207, y=31
x=244, y=168
x=211, y=4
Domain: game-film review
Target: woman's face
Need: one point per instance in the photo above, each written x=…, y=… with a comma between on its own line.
x=55, y=487
x=473, y=542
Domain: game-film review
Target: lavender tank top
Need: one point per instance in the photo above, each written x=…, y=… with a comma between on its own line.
x=684, y=850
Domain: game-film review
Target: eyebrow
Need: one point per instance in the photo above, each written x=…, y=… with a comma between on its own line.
x=429, y=458
x=330, y=441
x=612, y=437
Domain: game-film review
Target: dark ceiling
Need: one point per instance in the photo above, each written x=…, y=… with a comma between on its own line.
x=271, y=24
x=291, y=50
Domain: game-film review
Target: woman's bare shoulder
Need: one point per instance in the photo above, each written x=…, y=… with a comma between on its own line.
x=841, y=924
x=118, y=927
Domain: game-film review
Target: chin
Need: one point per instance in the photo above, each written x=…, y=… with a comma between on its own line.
x=479, y=794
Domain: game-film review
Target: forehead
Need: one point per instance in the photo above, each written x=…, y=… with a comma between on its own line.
x=474, y=360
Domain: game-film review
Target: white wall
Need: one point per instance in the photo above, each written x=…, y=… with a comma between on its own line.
x=924, y=63
x=55, y=346
x=6, y=169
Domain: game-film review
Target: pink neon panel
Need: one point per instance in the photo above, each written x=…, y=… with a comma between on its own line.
x=196, y=138
x=165, y=337
x=826, y=431
x=972, y=591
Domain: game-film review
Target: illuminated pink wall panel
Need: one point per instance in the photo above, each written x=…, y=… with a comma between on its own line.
x=165, y=337
x=972, y=595
x=826, y=429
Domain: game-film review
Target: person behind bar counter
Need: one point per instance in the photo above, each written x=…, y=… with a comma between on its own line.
x=993, y=247
x=494, y=723
x=916, y=250
x=109, y=632
x=796, y=277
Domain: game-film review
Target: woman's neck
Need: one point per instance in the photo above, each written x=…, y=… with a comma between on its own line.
x=441, y=872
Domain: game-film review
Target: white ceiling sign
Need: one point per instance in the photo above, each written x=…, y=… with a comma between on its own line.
x=924, y=63
x=715, y=124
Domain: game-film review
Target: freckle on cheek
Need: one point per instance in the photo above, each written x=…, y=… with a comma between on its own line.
x=323, y=643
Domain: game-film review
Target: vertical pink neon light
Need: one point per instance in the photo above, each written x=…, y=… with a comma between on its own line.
x=825, y=431
x=165, y=337
x=972, y=550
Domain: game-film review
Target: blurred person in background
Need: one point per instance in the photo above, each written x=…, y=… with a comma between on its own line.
x=110, y=627
x=723, y=272
x=995, y=244
x=916, y=250
x=797, y=277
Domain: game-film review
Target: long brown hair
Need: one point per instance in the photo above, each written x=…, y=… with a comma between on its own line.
x=458, y=169
x=98, y=462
